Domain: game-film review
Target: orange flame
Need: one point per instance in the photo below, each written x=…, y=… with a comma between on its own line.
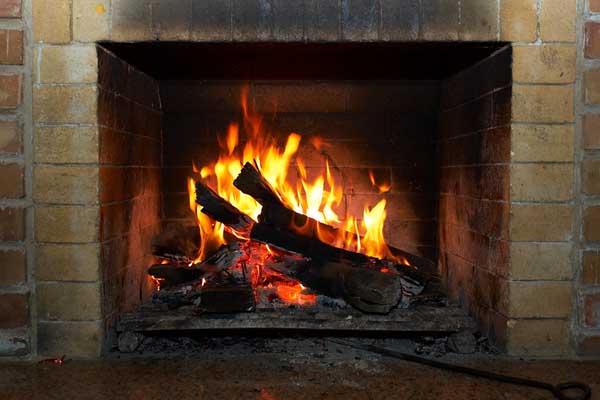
x=295, y=295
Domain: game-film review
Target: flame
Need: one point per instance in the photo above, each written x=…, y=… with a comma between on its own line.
x=383, y=187
x=318, y=197
x=294, y=294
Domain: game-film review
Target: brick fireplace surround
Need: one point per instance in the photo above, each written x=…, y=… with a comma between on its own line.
x=53, y=209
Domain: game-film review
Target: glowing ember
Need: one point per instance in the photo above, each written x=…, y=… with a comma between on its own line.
x=318, y=198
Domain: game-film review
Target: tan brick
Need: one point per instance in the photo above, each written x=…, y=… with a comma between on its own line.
x=544, y=261
x=541, y=222
x=66, y=144
x=66, y=224
x=542, y=142
x=14, y=310
x=542, y=338
x=541, y=182
x=558, y=20
x=68, y=262
x=591, y=176
x=542, y=103
x=591, y=86
x=65, y=104
x=12, y=267
x=78, y=339
x=91, y=20
x=65, y=185
x=131, y=21
x=11, y=46
x=10, y=8
x=594, y=5
x=10, y=90
x=591, y=131
x=592, y=40
x=539, y=299
x=544, y=64
x=591, y=223
x=518, y=20
x=68, y=64
x=12, y=224
x=68, y=301
x=52, y=21
x=591, y=268
x=12, y=181
x=10, y=137
x=479, y=20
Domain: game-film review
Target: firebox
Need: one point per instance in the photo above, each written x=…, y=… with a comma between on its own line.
x=401, y=148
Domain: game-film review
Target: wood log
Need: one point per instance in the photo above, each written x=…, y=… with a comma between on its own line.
x=366, y=289
x=275, y=213
x=225, y=299
x=251, y=182
x=174, y=274
x=221, y=210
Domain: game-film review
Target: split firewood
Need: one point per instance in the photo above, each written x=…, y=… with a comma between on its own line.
x=221, y=210
x=274, y=212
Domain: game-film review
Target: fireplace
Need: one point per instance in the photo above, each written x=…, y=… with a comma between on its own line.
x=420, y=132
x=481, y=121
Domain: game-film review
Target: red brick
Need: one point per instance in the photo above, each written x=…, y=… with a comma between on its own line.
x=592, y=39
x=14, y=311
x=11, y=181
x=10, y=137
x=591, y=130
x=588, y=346
x=10, y=91
x=591, y=310
x=12, y=224
x=12, y=267
x=11, y=46
x=595, y=5
x=10, y=8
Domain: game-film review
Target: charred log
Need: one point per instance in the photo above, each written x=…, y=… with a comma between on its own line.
x=251, y=182
x=174, y=274
x=275, y=213
x=225, y=299
x=221, y=210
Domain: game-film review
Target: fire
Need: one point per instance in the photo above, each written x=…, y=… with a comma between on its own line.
x=295, y=295
x=318, y=198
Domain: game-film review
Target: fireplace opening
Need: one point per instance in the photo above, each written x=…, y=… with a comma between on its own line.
x=402, y=149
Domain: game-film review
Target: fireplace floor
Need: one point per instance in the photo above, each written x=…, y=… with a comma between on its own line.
x=418, y=318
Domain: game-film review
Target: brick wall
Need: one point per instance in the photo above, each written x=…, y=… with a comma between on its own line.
x=15, y=288
x=386, y=127
x=553, y=244
x=474, y=203
x=129, y=118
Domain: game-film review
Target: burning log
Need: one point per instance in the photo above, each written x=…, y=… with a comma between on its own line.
x=366, y=289
x=226, y=257
x=221, y=210
x=225, y=299
x=275, y=213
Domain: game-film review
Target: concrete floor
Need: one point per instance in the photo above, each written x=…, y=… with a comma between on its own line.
x=319, y=370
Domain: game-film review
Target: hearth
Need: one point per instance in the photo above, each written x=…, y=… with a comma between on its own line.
x=304, y=186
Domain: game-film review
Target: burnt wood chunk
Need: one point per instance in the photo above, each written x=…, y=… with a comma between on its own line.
x=225, y=299
x=221, y=210
x=251, y=182
x=174, y=274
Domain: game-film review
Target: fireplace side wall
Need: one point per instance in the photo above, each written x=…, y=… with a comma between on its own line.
x=129, y=119
x=474, y=205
